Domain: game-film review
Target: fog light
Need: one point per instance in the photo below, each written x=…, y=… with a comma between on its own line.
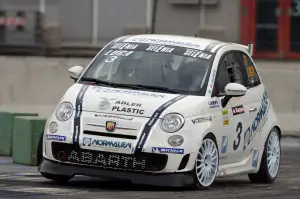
x=175, y=140
x=53, y=127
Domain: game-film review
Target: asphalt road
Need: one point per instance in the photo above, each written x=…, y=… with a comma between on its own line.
x=21, y=182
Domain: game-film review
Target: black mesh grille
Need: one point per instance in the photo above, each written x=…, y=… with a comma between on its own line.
x=141, y=162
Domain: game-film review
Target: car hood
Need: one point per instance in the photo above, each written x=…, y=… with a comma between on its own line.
x=139, y=103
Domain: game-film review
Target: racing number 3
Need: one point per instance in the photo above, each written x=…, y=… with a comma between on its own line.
x=239, y=130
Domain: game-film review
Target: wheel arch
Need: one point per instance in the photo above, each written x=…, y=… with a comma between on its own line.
x=212, y=135
x=279, y=130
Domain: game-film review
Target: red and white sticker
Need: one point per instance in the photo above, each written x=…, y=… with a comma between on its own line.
x=238, y=110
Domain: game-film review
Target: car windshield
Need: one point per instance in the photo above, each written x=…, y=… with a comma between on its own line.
x=152, y=67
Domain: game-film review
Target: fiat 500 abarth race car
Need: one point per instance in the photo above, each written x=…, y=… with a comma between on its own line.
x=164, y=110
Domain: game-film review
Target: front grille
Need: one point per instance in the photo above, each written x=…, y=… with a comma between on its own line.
x=113, y=135
x=140, y=162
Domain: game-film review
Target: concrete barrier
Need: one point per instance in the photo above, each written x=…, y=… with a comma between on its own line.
x=26, y=136
x=36, y=84
x=6, y=130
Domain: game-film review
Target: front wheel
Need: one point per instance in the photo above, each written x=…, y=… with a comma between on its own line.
x=270, y=162
x=207, y=163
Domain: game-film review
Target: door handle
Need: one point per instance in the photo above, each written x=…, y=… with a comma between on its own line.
x=252, y=110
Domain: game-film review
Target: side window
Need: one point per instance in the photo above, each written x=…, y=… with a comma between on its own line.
x=230, y=70
x=253, y=79
x=222, y=78
x=235, y=69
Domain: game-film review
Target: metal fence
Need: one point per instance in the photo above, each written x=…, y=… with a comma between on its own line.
x=21, y=31
x=90, y=24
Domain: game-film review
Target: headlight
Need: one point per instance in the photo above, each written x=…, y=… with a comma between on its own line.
x=64, y=111
x=172, y=123
x=175, y=140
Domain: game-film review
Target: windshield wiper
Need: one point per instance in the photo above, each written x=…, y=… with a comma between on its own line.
x=97, y=81
x=157, y=88
x=133, y=86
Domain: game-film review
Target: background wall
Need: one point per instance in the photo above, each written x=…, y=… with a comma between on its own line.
x=221, y=21
x=118, y=17
x=37, y=84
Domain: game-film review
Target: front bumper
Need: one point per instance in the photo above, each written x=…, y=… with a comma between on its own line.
x=161, y=179
x=144, y=162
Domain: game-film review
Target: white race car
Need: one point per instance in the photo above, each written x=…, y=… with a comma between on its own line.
x=164, y=110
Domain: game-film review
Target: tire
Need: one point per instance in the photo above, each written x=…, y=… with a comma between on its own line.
x=264, y=175
x=39, y=152
x=207, y=162
x=61, y=179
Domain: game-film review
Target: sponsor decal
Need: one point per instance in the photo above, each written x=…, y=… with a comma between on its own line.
x=105, y=103
x=131, y=107
x=224, y=144
x=110, y=126
x=56, y=137
x=128, y=92
x=106, y=143
x=159, y=49
x=165, y=41
x=128, y=110
x=114, y=117
x=255, y=158
x=197, y=54
x=77, y=118
x=167, y=150
x=213, y=103
x=128, y=103
x=224, y=112
x=213, y=76
x=225, y=117
x=202, y=119
x=119, y=106
x=260, y=120
x=118, y=53
x=238, y=110
x=152, y=120
x=124, y=46
x=251, y=71
x=225, y=122
x=211, y=85
x=235, y=91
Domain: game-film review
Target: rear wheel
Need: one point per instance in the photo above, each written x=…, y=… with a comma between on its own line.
x=61, y=179
x=270, y=162
x=207, y=163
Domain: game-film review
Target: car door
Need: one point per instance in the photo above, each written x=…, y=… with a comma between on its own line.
x=228, y=122
x=240, y=107
x=253, y=101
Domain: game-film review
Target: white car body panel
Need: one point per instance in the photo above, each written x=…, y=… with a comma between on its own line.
x=232, y=162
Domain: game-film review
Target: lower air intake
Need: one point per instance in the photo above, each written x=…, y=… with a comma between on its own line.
x=140, y=162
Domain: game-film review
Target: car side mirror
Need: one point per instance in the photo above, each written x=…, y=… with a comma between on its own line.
x=233, y=90
x=75, y=72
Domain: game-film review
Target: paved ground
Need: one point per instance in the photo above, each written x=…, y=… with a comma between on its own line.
x=23, y=182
